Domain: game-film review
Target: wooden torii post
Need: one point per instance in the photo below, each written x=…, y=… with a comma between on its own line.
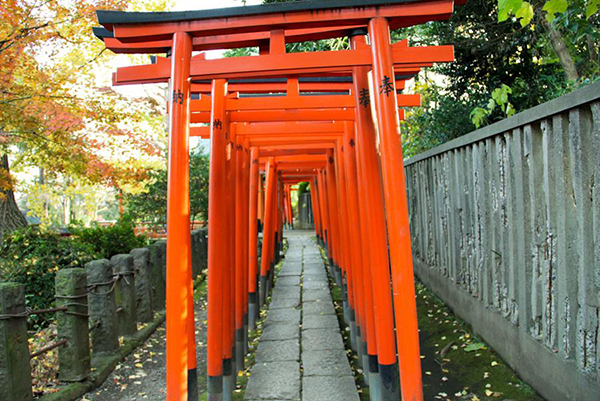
x=270, y=27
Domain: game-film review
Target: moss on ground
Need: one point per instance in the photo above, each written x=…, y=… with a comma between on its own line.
x=450, y=349
x=456, y=364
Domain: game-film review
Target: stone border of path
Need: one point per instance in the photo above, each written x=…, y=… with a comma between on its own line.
x=301, y=355
x=103, y=366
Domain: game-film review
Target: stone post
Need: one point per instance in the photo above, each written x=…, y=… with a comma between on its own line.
x=15, y=372
x=74, y=356
x=102, y=305
x=203, y=249
x=158, y=296
x=122, y=266
x=162, y=246
x=157, y=256
x=143, y=284
x=195, y=254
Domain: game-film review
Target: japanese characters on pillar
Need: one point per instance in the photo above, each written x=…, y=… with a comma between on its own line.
x=397, y=210
x=217, y=240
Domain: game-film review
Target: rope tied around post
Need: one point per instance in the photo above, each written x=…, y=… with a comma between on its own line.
x=8, y=316
x=123, y=275
x=65, y=308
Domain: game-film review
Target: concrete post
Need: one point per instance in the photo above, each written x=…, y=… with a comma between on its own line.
x=158, y=297
x=143, y=284
x=162, y=246
x=74, y=356
x=203, y=249
x=102, y=307
x=159, y=273
x=195, y=254
x=125, y=293
x=15, y=372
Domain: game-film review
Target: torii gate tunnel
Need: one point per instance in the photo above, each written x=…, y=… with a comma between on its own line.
x=330, y=118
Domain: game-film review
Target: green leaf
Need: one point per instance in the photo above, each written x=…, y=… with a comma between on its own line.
x=553, y=7
x=478, y=116
x=507, y=8
x=592, y=8
x=510, y=110
x=525, y=13
x=474, y=347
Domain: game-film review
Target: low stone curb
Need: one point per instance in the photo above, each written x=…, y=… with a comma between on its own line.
x=104, y=366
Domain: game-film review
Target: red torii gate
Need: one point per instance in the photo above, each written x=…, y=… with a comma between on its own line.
x=270, y=27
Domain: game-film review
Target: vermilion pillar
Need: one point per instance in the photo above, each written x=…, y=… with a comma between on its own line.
x=268, y=230
x=397, y=210
x=253, y=240
x=323, y=208
x=246, y=240
x=353, y=232
x=314, y=198
x=378, y=251
x=229, y=376
x=240, y=231
x=217, y=240
x=346, y=270
x=179, y=255
x=332, y=202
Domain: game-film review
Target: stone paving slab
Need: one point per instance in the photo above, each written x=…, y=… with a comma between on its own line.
x=286, y=292
x=326, y=363
x=287, y=281
x=280, y=331
x=319, y=350
x=320, y=322
x=274, y=381
x=322, y=339
x=329, y=388
x=316, y=285
x=316, y=295
x=278, y=298
x=292, y=271
x=278, y=351
x=285, y=303
x=284, y=315
x=309, y=277
x=318, y=308
x=314, y=265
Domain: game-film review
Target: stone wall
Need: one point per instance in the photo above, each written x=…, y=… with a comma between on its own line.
x=505, y=227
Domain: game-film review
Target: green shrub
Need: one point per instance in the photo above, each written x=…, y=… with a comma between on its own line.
x=32, y=257
x=108, y=241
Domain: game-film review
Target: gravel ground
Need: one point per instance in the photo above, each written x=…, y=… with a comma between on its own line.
x=141, y=376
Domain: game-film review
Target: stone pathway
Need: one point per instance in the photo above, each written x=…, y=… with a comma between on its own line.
x=301, y=355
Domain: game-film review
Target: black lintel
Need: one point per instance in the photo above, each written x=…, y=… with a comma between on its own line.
x=110, y=17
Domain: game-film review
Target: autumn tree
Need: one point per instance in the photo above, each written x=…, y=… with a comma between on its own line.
x=52, y=114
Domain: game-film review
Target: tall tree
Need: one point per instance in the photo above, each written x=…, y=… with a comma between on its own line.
x=11, y=217
x=52, y=114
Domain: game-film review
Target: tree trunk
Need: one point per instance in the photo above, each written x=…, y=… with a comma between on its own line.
x=11, y=217
x=592, y=50
x=561, y=50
